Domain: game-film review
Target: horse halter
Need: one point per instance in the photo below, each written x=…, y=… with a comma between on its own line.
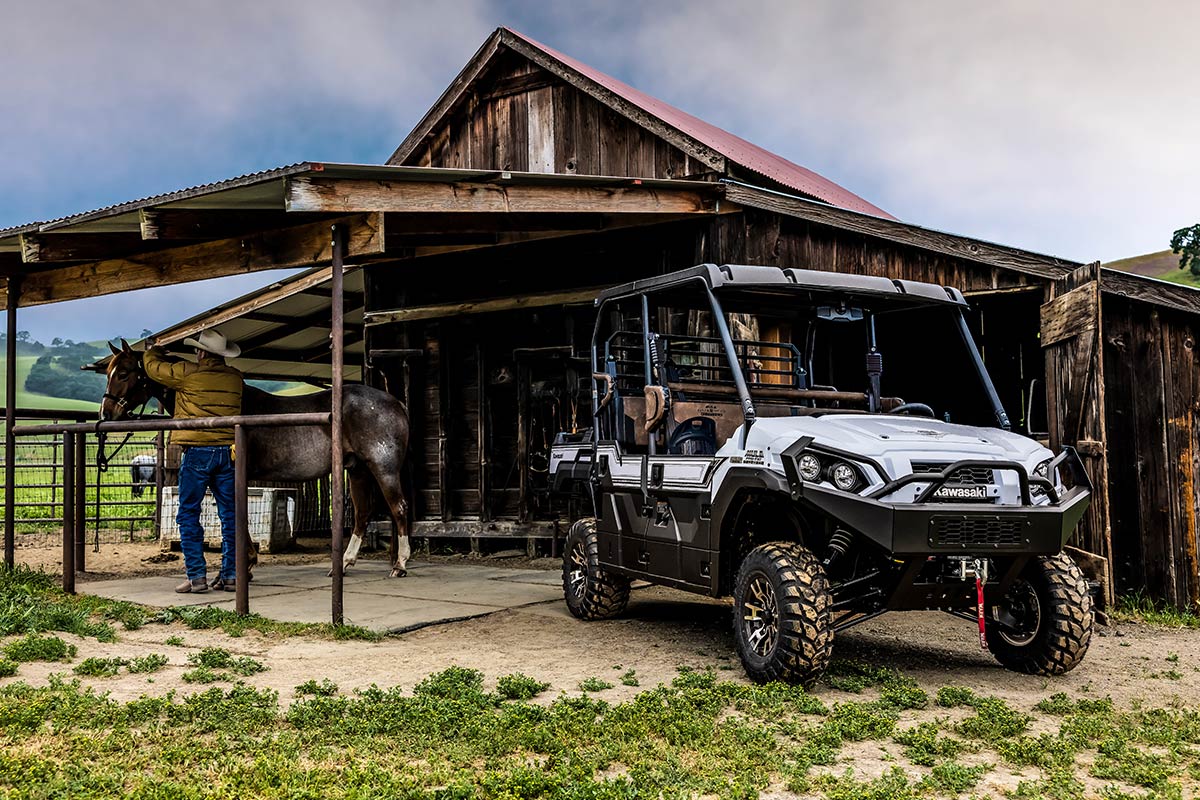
x=142, y=383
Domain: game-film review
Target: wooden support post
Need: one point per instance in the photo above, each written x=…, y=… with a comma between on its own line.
x=241, y=546
x=68, y=537
x=10, y=421
x=80, y=499
x=337, y=492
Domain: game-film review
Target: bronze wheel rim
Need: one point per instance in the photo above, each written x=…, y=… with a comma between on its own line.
x=577, y=576
x=760, y=616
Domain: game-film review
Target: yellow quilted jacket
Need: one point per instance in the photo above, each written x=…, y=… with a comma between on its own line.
x=208, y=388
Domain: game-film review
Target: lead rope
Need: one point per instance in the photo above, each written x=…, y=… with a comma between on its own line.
x=981, y=576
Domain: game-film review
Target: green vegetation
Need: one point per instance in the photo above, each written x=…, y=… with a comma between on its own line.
x=7, y=668
x=594, y=685
x=96, y=667
x=34, y=647
x=214, y=664
x=326, y=688
x=630, y=678
x=1185, y=243
x=1138, y=607
x=150, y=663
x=449, y=738
x=57, y=372
x=32, y=602
x=518, y=686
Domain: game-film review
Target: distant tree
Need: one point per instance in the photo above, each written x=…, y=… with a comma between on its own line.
x=22, y=336
x=56, y=342
x=145, y=332
x=1185, y=242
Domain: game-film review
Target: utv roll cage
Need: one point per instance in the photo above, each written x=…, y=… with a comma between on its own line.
x=760, y=288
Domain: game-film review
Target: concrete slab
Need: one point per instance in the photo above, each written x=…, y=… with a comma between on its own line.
x=430, y=594
x=536, y=577
x=462, y=587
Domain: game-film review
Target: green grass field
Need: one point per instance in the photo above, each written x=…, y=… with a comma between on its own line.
x=1163, y=265
x=30, y=400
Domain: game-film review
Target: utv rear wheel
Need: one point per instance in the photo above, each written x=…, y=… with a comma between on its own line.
x=782, y=620
x=1044, y=623
x=591, y=592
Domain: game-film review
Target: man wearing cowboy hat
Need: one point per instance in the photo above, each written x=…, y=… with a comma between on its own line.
x=206, y=388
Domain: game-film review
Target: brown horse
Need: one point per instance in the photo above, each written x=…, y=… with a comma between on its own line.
x=374, y=438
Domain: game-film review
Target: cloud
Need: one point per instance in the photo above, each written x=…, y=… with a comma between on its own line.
x=1063, y=127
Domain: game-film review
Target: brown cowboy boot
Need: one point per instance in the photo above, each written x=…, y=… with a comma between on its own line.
x=198, y=586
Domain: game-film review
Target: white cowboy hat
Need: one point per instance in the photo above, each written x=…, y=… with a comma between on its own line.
x=214, y=342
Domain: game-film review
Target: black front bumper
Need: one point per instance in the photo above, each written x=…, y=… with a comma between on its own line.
x=925, y=528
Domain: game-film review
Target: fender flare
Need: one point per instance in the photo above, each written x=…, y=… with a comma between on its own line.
x=736, y=480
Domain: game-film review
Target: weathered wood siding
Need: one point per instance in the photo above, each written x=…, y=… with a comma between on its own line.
x=525, y=119
x=1071, y=332
x=1153, y=395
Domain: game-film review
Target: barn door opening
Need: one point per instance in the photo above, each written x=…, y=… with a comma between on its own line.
x=1071, y=339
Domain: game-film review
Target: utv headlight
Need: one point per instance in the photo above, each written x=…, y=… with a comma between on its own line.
x=809, y=467
x=844, y=476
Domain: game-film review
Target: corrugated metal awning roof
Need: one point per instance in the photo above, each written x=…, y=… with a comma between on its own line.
x=265, y=190
x=283, y=328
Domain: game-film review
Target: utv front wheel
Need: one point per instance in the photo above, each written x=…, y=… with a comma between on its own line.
x=1044, y=623
x=782, y=621
x=591, y=592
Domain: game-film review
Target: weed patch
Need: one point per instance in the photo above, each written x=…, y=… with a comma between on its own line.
x=923, y=745
x=326, y=688
x=35, y=647
x=96, y=667
x=955, y=778
x=518, y=686
x=149, y=663
x=994, y=719
x=7, y=668
x=594, y=684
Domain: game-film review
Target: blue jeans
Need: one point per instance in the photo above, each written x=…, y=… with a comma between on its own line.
x=206, y=468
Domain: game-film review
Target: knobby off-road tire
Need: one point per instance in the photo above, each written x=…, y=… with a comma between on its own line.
x=1064, y=619
x=590, y=591
x=782, y=618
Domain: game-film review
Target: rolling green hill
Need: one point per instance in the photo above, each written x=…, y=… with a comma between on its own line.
x=30, y=400
x=1163, y=265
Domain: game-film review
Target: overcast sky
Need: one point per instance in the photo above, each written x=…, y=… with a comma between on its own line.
x=1068, y=128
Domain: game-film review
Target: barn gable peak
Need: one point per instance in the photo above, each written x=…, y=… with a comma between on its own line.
x=520, y=105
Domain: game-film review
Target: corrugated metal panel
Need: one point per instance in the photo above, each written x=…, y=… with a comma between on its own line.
x=735, y=148
x=281, y=300
x=264, y=190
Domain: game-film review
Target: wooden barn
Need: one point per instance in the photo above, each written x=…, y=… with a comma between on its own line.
x=536, y=180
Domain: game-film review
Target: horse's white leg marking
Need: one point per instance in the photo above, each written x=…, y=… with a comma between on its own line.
x=403, y=552
x=351, y=554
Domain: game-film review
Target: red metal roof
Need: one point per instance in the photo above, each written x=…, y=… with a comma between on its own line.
x=734, y=148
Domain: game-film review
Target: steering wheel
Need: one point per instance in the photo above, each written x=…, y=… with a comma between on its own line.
x=920, y=409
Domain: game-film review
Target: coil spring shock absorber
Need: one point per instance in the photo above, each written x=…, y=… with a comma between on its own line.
x=839, y=543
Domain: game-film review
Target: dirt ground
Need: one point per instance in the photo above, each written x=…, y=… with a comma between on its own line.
x=1134, y=664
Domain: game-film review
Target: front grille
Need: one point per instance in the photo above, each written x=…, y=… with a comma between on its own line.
x=967, y=476
x=976, y=530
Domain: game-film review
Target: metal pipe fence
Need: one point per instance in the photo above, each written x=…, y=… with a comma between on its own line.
x=121, y=503
x=74, y=486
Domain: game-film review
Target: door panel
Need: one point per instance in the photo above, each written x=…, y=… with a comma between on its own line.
x=620, y=518
x=678, y=529
x=1071, y=336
